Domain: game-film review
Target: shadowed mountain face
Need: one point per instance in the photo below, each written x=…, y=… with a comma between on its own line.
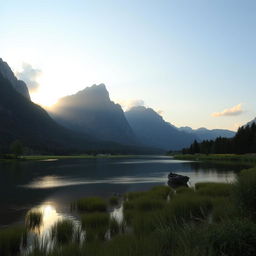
x=152, y=130
x=22, y=119
x=91, y=111
x=205, y=134
x=18, y=85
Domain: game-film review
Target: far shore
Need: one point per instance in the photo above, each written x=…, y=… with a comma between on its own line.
x=249, y=159
x=58, y=157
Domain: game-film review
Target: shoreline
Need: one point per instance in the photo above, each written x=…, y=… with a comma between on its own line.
x=248, y=159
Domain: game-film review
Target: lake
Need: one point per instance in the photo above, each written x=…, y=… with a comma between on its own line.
x=53, y=185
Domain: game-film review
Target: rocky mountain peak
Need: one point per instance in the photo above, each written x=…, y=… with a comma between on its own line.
x=18, y=85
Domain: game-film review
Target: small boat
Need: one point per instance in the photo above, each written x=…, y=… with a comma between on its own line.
x=177, y=179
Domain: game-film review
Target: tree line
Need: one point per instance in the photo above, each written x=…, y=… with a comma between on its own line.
x=243, y=142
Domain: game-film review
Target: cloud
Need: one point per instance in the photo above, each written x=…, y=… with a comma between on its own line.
x=29, y=75
x=128, y=104
x=234, y=111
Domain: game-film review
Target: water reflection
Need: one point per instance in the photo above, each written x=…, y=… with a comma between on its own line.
x=49, y=216
x=48, y=181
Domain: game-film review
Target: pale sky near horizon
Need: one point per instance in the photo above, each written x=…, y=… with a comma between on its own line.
x=192, y=60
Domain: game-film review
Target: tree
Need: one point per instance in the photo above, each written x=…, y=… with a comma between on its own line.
x=17, y=148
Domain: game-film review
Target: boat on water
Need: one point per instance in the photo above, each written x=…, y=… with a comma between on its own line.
x=175, y=179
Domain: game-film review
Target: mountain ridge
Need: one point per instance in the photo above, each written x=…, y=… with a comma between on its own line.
x=19, y=85
x=92, y=111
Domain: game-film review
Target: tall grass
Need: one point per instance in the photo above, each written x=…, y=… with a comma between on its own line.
x=34, y=219
x=11, y=240
x=223, y=209
x=214, y=189
x=62, y=232
x=114, y=227
x=245, y=193
x=113, y=200
x=188, y=207
x=144, y=204
x=95, y=224
x=183, y=190
x=91, y=204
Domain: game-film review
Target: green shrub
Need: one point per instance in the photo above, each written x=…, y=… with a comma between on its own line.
x=91, y=204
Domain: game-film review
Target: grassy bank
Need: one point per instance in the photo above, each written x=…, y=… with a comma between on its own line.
x=212, y=219
x=249, y=159
x=58, y=157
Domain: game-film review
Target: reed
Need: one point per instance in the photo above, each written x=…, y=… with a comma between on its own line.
x=91, y=204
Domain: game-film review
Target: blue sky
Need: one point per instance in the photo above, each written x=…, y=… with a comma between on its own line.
x=185, y=58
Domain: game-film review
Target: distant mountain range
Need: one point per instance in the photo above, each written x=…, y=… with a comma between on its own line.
x=87, y=120
x=152, y=130
x=205, y=134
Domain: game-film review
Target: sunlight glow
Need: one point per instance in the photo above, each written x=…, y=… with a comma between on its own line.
x=50, y=216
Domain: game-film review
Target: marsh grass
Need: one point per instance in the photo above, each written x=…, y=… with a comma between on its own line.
x=188, y=207
x=134, y=195
x=244, y=193
x=223, y=209
x=113, y=200
x=183, y=190
x=144, y=204
x=91, y=204
x=114, y=227
x=234, y=237
x=34, y=219
x=157, y=192
x=154, y=199
x=95, y=224
x=130, y=245
x=62, y=231
x=11, y=240
x=214, y=189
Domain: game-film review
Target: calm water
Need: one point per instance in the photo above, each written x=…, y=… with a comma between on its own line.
x=52, y=185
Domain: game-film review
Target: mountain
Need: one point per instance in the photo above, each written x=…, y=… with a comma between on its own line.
x=21, y=119
x=91, y=111
x=205, y=134
x=18, y=85
x=152, y=130
x=251, y=122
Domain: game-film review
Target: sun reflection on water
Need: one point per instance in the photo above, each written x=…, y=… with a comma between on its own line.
x=50, y=217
